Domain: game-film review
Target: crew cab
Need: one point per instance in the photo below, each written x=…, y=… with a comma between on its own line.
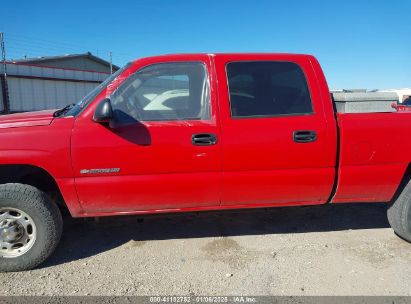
x=196, y=132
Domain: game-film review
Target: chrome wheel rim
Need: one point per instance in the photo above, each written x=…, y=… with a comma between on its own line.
x=17, y=232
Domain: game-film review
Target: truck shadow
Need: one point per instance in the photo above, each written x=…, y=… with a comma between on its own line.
x=83, y=238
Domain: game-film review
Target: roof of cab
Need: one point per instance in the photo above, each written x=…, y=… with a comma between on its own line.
x=236, y=55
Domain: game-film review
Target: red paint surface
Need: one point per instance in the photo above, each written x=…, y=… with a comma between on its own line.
x=28, y=119
x=402, y=108
x=372, y=159
x=254, y=164
x=261, y=163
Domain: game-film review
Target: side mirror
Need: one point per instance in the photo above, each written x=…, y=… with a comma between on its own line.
x=103, y=112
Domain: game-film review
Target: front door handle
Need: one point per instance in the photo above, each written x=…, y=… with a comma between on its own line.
x=304, y=136
x=204, y=139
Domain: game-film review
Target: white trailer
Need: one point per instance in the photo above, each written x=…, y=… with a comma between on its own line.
x=403, y=94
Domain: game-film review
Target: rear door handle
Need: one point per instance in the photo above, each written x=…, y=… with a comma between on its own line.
x=304, y=136
x=204, y=139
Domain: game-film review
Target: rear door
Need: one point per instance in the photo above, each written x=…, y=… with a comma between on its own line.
x=276, y=145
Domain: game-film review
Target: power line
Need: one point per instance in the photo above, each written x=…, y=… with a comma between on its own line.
x=55, y=48
x=35, y=51
x=24, y=46
x=31, y=44
x=34, y=40
x=30, y=39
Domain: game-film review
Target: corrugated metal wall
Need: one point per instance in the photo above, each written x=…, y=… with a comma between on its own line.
x=39, y=94
x=37, y=88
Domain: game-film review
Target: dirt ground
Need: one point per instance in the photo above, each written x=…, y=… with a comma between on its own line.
x=325, y=250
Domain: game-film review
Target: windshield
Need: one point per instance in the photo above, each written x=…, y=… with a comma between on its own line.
x=78, y=107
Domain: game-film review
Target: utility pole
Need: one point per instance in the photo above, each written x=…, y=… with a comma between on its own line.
x=111, y=62
x=3, y=79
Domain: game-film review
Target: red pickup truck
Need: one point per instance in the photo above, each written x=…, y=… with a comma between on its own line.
x=196, y=132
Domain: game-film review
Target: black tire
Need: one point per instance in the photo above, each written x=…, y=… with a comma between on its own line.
x=399, y=213
x=46, y=217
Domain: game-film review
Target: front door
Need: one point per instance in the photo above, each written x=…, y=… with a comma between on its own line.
x=162, y=149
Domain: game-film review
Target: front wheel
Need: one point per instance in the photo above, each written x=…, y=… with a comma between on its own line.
x=399, y=214
x=30, y=227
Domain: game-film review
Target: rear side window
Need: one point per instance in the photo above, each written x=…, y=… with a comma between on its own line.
x=267, y=88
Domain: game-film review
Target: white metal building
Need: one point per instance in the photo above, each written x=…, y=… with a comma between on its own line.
x=35, y=85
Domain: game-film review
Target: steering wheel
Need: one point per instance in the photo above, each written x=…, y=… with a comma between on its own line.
x=133, y=108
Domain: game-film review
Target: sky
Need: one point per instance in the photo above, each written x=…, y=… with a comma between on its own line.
x=360, y=44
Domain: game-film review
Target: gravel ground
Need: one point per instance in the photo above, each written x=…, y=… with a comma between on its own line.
x=324, y=250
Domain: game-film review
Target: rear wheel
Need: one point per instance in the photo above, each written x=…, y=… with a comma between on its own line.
x=30, y=227
x=399, y=214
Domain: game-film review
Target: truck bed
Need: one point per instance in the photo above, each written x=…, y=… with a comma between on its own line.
x=372, y=154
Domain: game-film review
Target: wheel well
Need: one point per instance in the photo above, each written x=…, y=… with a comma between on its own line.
x=33, y=176
x=404, y=181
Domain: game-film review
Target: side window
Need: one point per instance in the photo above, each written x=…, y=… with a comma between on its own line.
x=267, y=88
x=165, y=91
